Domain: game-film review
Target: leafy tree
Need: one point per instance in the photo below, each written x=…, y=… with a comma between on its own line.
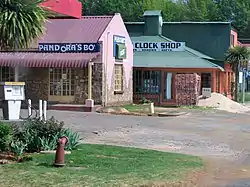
x=131, y=10
x=237, y=56
x=21, y=22
x=237, y=11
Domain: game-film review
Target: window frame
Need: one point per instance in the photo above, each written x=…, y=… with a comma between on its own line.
x=7, y=74
x=66, y=87
x=119, y=90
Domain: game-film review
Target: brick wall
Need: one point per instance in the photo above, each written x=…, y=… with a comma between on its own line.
x=187, y=89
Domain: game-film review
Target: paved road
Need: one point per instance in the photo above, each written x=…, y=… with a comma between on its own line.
x=216, y=135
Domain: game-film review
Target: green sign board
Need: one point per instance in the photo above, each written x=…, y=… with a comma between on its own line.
x=121, y=51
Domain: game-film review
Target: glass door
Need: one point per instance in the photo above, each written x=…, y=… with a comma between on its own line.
x=168, y=85
x=62, y=84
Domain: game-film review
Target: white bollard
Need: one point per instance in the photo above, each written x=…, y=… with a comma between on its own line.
x=40, y=109
x=152, y=108
x=29, y=107
x=45, y=110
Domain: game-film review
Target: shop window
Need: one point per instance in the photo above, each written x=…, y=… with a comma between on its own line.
x=205, y=80
x=118, y=77
x=62, y=82
x=6, y=74
x=146, y=81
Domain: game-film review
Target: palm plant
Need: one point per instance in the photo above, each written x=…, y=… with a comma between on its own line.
x=237, y=57
x=21, y=22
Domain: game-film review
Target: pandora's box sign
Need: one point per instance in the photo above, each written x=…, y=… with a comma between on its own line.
x=69, y=47
x=159, y=46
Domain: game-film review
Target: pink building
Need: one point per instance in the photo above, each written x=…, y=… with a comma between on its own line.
x=58, y=67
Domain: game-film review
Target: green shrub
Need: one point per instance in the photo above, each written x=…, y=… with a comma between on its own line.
x=48, y=144
x=5, y=136
x=18, y=147
x=39, y=135
x=35, y=132
x=74, y=139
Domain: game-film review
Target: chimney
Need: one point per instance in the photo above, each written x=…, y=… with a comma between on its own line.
x=153, y=22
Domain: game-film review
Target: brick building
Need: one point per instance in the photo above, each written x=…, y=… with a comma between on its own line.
x=202, y=50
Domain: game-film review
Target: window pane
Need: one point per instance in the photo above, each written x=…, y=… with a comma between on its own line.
x=118, y=77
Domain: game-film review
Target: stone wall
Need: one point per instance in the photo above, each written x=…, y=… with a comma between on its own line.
x=126, y=97
x=37, y=83
x=81, y=82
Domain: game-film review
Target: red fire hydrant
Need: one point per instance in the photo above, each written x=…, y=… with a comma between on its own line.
x=59, y=160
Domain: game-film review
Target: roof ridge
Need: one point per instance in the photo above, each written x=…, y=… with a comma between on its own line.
x=105, y=16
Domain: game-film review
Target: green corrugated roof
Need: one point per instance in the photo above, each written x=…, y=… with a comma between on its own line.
x=197, y=53
x=186, y=59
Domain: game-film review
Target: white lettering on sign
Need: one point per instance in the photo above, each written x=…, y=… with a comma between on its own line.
x=158, y=46
x=74, y=47
x=122, y=52
x=119, y=39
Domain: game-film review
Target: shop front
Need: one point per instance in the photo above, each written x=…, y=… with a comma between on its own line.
x=209, y=39
x=157, y=62
x=83, y=65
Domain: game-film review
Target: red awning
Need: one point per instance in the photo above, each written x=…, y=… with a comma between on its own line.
x=48, y=60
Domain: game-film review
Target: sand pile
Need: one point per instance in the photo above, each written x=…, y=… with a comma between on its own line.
x=221, y=102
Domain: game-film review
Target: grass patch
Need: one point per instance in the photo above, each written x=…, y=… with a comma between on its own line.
x=135, y=108
x=247, y=97
x=101, y=165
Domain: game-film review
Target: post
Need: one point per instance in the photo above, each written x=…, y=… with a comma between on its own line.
x=45, y=110
x=89, y=103
x=40, y=109
x=90, y=80
x=29, y=107
x=243, y=87
x=152, y=108
x=16, y=72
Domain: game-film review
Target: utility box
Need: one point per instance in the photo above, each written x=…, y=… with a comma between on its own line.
x=206, y=92
x=11, y=95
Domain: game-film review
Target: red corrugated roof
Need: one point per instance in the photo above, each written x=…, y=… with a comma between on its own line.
x=70, y=8
x=84, y=30
x=88, y=29
x=48, y=60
